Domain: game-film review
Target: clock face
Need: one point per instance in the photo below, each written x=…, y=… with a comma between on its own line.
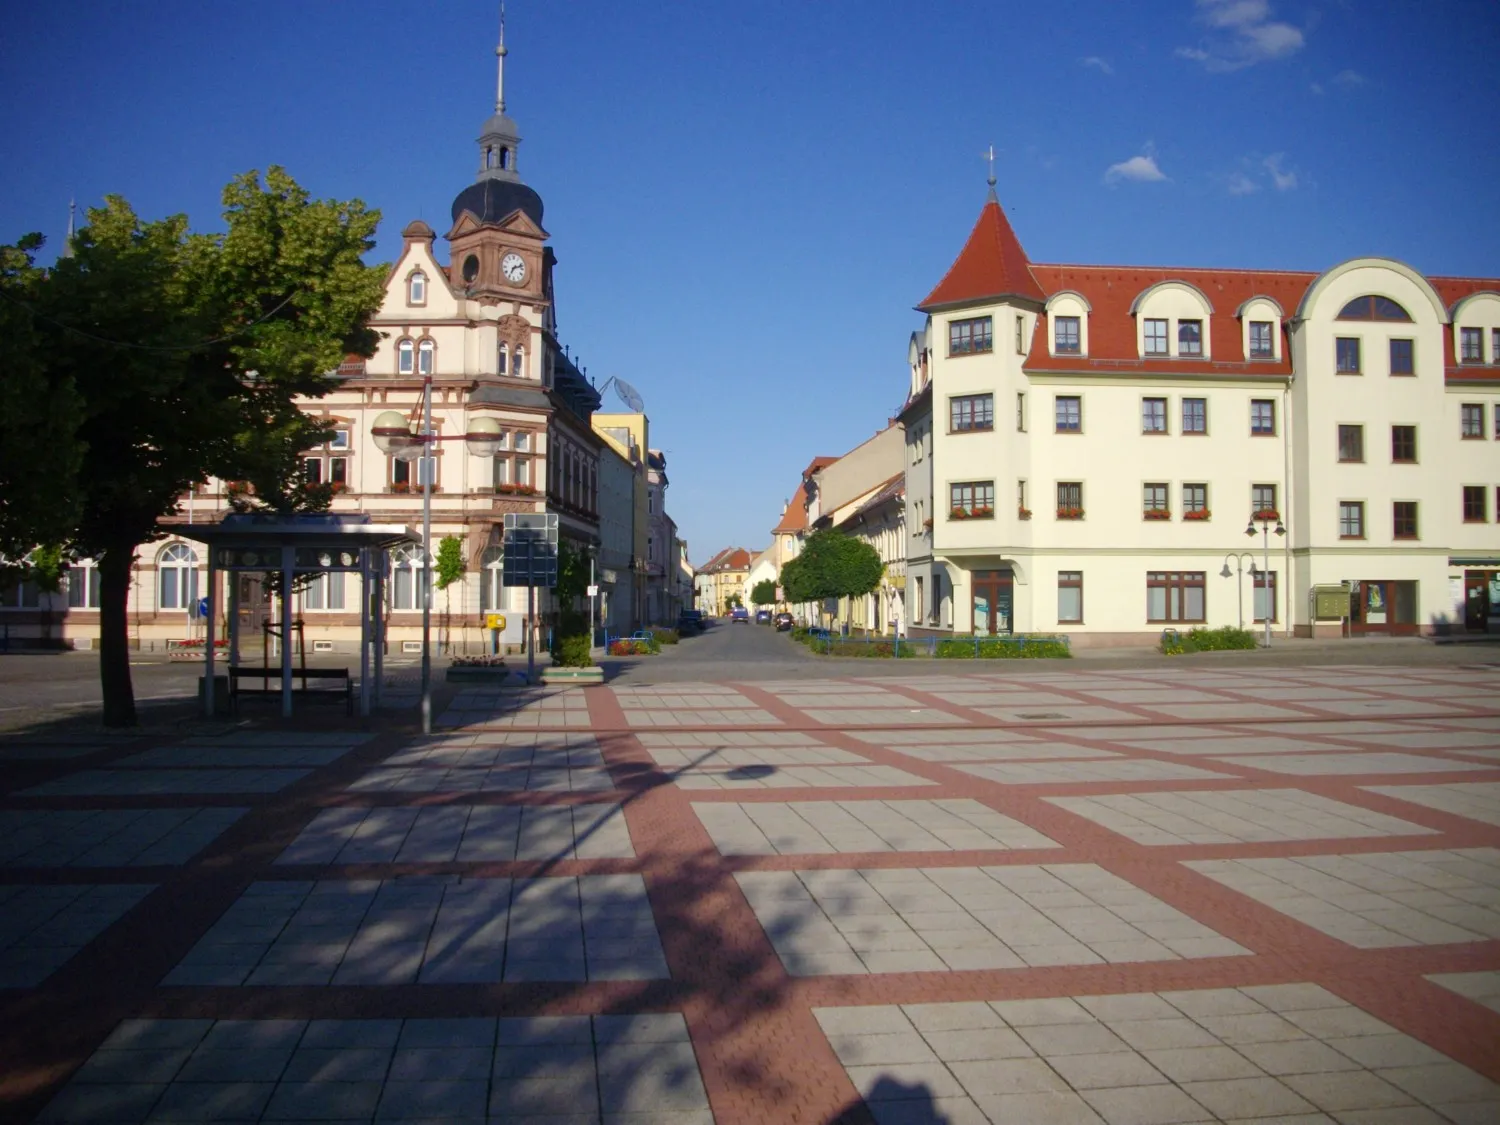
x=514, y=268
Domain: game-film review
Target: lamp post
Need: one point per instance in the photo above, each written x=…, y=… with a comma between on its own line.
x=393, y=435
x=1266, y=519
x=1239, y=558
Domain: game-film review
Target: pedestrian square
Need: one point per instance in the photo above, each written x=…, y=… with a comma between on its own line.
x=109, y=837
x=832, y=827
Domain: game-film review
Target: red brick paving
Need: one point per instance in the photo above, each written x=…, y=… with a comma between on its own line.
x=762, y=1055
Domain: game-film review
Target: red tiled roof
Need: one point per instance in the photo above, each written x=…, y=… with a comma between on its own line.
x=730, y=558
x=1450, y=291
x=991, y=264
x=794, y=519
x=1111, y=290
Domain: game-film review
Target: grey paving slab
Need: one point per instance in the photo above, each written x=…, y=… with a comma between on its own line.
x=464, y=779
x=41, y=927
x=938, y=919
x=1476, y=800
x=1085, y=772
x=1353, y=762
x=1377, y=900
x=430, y=930
x=830, y=827
x=491, y=750
x=628, y=1070
x=1230, y=816
x=1482, y=987
x=108, y=837
x=233, y=756
x=162, y=782
x=1281, y=1057
x=463, y=833
x=796, y=777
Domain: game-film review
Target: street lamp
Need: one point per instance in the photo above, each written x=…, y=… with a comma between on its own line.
x=1239, y=570
x=395, y=436
x=1265, y=520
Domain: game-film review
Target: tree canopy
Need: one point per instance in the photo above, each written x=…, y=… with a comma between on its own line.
x=831, y=565
x=763, y=592
x=170, y=357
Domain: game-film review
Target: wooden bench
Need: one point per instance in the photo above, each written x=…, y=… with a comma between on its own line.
x=339, y=683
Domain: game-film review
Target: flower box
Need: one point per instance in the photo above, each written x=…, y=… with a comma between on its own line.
x=971, y=514
x=1157, y=514
x=1070, y=513
x=1023, y=513
x=401, y=486
x=1266, y=514
x=927, y=525
x=1197, y=514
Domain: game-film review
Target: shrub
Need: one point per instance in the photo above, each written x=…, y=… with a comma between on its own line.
x=1223, y=639
x=573, y=651
x=664, y=635
x=1021, y=646
x=860, y=648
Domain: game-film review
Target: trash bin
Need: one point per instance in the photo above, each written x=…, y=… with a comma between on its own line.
x=221, y=695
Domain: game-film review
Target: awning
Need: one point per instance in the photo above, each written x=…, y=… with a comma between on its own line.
x=1474, y=560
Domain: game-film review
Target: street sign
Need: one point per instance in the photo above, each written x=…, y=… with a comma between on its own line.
x=201, y=609
x=593, y=591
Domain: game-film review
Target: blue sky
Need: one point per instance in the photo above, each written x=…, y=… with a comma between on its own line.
x=747, y=200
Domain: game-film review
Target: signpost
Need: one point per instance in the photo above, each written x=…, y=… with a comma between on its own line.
x=530, y=550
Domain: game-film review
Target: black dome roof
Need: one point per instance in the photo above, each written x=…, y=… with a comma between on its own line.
x=492, y=200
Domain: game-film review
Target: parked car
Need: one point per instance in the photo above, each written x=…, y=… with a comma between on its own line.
x=762, y=616
x=690, y=621
x=783, y=622
x=740, y=615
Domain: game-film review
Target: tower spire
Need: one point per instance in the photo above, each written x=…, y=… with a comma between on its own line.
x=500, y=54
x=67, y=250
x=990, y=156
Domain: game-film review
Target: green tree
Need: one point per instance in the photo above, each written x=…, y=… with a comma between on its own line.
x=40, y=411
x=187, y=354
x=832, y=565
x=448, y=568
x=763, y=592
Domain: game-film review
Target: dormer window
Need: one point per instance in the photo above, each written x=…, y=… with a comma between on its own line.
x=406, y=353
x=1470, y=345
x=1156, y=337
x=1260, y=339
x=1066, y=335
x=1190, y=337
x=425, y=352
x=416, y=289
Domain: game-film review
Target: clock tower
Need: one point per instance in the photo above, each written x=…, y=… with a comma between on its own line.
x=498, y=245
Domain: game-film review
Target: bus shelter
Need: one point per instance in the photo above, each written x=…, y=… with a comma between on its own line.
x=300, y=545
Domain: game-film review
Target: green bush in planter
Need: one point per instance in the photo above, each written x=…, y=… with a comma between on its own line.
x=572, y=651
x=664, y=635
x=1220, y=640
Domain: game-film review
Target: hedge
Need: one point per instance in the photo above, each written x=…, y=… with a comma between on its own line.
x=1223, y=639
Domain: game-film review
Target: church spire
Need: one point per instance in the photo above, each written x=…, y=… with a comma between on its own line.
x=500, y=53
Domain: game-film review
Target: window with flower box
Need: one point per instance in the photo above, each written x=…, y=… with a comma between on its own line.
x=1175, y=597
x=1070, y=500
x=1022, y=511
x=971, y=500
x=1263, y=502
x=1195, y=502
x=1154, y=505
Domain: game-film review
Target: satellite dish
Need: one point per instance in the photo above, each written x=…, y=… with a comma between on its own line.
x=630, y=396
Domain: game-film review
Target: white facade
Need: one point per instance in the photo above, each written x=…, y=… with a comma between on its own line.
x=1090, y=444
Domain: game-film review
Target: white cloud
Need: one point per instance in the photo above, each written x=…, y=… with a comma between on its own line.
x=1241, y=184
x=1241, y=33
x=1101, y=65
x=1317, y=88
x=1139, y=169
x=1284, y=179
x=1348, y=79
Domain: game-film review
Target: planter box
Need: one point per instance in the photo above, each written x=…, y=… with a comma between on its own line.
x=555, y=675
x=476, y=674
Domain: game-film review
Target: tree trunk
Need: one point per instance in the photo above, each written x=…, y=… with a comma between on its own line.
x=114, y=636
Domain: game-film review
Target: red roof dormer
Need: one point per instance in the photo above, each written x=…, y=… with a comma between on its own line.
x=991, y=264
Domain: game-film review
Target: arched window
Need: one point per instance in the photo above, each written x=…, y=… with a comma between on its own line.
x=408, y=576
x=518, y=364
x=425, y=351
x=491, y=586
x=489, y=158
x=177, y=577
x=405, y=357
x=503, y=360
x=504, y=157
x=416, y=289
x=1372, y=307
